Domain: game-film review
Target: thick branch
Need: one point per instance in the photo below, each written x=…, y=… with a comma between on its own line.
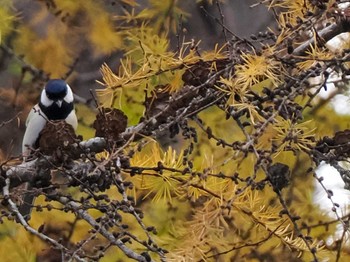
x=326, y=34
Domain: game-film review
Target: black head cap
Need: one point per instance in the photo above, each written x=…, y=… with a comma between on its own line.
x=56, y=89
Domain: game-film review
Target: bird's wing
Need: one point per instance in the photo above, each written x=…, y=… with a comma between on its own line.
x=34, y=112
x=72, y=120
x=36, y=121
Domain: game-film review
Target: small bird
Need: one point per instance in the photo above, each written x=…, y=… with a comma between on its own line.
x=56, y=103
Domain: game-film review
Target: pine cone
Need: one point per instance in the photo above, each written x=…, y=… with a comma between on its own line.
x=196, y=75
x=342, y=142
x=279, y=176
x=57, y=135
x=110, y=123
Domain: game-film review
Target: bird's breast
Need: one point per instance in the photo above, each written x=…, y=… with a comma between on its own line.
x=54, y=112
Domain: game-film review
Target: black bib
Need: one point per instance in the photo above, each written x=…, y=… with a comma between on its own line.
x=54, y=112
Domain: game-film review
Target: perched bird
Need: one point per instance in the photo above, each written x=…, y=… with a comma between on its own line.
x=56, y=103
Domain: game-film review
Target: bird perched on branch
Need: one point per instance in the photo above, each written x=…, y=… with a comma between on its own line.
x=56, y=103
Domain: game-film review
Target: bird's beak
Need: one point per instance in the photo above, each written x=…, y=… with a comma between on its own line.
x=59, y=103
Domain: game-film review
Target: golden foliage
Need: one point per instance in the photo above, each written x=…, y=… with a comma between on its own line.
x=54, y=57
x=98, y=25
x=165, y=14
x=102, y=29
x=216, y=200
x=292, y=10
x=17, y=244
x=314, y=55
x=59, y=42
x=161, y=186
x=7, y=18
x=294, y=137
x=256, y=68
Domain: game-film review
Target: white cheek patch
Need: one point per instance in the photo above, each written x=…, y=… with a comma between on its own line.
x=69, y=96
x=45, y=100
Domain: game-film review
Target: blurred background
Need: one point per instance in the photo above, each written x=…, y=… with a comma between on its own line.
x=72, y=39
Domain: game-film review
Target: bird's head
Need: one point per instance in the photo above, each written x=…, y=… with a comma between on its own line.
x=56, y=91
